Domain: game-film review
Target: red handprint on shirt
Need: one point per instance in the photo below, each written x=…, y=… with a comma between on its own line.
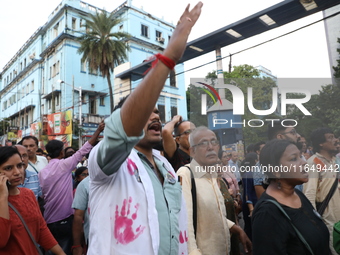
x=123, y=231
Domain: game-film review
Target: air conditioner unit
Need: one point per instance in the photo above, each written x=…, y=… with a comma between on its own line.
x=160, y=39
x=32, y=56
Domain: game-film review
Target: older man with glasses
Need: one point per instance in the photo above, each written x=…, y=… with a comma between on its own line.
x=208, y=227
x=176, y=151
x=31, y=179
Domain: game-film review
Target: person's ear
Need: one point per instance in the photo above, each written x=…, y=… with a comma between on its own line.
x=177, y=139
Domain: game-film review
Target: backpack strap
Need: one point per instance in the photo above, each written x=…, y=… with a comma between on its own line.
x=331, y=192
x=194, y=200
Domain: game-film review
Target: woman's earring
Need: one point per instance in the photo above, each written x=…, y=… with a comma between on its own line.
x=278, y=184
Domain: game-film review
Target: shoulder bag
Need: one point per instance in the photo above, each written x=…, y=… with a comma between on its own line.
x=302, y=239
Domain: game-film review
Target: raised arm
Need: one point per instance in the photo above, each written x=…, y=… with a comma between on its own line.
x=96, y=134
x=169, y=144
x=143, y=99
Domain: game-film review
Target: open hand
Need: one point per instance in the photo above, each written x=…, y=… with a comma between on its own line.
x=180, y=35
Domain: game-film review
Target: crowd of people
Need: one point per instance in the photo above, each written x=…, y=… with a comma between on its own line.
x=122, y=196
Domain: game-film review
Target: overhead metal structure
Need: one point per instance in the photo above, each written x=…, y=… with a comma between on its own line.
x=275, y=16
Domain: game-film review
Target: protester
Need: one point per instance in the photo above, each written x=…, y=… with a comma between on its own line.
x=249, y=194
x=14, y=239
x=81, y=224
x=69, y=151
x=234, y=166
x=136, y=203
x=30, y=179
x=56, y=183
x=36, y=162
x=211, y=234
x=80, y=174
x=177, y=151
x=230, y=205
x=323, y=173
x=273, y=232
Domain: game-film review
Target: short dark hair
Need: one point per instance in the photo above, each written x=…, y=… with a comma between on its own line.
x=250, y=159
x=79, y=171
x=29, y=137
x=250, y=148
x=6, y=152
x=275, y=127
x=176, y=127
x=40, y=150
x=257, y=145
x=68, y=148
x=54, y=147
x=271, y=154
x=318, y=136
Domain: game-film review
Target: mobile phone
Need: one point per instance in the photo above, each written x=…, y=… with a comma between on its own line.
x=8, y=184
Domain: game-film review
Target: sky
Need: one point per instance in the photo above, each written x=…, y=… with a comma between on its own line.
x=302, y=54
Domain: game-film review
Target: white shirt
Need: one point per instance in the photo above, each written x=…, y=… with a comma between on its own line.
x=38, y=165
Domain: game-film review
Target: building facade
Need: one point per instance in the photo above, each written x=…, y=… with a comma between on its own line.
x=47, y=76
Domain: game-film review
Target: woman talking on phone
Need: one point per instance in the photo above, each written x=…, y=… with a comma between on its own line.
x=22, y=227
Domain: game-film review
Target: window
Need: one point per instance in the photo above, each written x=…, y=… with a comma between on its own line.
x=121, y=27
x=32, y=85
x=145, y=31
x=24, y=62
x=74, y=23
x=173, y=103
x=93, y=71
x=158, y=34
x=172, y=78
x=83, y=66
x=92, y=105
x=161, y=108
x=102, y=101
x=27, y=89
x=58, y=67
x=55, y=30
x=54, y=70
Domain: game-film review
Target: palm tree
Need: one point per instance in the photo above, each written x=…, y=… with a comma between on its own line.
x=102, y=48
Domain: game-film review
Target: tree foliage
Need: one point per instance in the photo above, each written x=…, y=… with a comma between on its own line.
x=102, y=48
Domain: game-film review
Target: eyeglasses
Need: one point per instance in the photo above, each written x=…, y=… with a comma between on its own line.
x=24, y=155
x=293, y=132
x=186, y=132
x=205, y=144
x=84, y=174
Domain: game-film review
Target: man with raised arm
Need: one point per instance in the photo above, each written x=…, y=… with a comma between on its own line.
x=136, y=204
x=177, y=150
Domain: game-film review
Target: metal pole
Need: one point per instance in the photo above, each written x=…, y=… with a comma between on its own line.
x=80, y=118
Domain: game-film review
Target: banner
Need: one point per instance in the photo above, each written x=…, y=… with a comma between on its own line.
x=35, y=129
x=58, y=123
